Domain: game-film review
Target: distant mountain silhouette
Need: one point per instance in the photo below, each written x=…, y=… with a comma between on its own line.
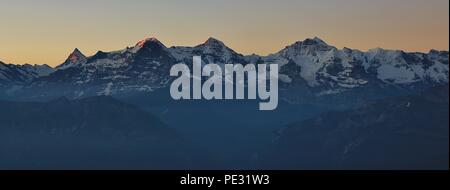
x=410, y=132
x=97, y=132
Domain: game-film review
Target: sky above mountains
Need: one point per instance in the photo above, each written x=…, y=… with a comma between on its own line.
x=46, y=31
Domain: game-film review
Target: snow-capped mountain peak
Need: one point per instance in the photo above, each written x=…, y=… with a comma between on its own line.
x=309, y=46
x=310, y=42
x=212, y=51
x=315, y=41
x=77, y=52
x=214, y=42
x=215, y=51
x=75, y=58
x=147, y=41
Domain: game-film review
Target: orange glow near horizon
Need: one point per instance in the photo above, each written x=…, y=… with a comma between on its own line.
x=47, y=31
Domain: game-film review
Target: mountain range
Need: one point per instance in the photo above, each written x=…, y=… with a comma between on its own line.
x=311, y=66
x=338, y=109
x=21, y=74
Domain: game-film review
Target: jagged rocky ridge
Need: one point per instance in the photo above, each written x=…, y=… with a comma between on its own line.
x=311, y=67
x=11, y=74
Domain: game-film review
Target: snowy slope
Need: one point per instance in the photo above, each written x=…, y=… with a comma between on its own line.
x=212, y=51
x=336, y=70
x=310, y=67
x=11, y=74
